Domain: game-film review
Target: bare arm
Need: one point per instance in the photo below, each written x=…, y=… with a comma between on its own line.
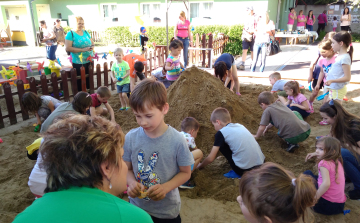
x=345, y=78
x=260, y=131
x=92, y=111
x=304, y=105
x=134, y=187
x=325, y=184
x=168, y=66
x=210, y=158
x=38, y=118
x=127, y=74
x=190, y=36
x=70, y=48
x=111, y=111
x=175, y=32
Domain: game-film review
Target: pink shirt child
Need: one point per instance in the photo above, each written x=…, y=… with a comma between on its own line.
x=290, y=21
x=299, y=99
x=310, y=21
x=301, y=23
x=335, y=193
x=183, y=29
x=326, y=64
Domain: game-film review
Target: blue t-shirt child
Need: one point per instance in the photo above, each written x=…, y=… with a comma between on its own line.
x=119, y=70
x=157, y=161
x=80, y=42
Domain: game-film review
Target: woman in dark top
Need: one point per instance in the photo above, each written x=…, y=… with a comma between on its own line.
x=346, y=128
x=224, y=68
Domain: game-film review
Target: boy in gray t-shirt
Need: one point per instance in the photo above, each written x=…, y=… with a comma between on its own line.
x=156, y=154
x=292, y=127
x=278, y=84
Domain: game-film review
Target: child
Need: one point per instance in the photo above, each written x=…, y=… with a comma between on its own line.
x=139, y=70
x=160, y=75
x=42, y=106
x=330, y=195
x=190, y=128
x=278, y=85
x=340, y=75
x=173, y=65
x=143, y=38
x=292, y=128
x=131, y=59
x=234, y=141
x=334, y=23
x=273, y=194
x=101, y=96
x=223, y=69
x=120, y=75
x=296, y=101
x=156, y=154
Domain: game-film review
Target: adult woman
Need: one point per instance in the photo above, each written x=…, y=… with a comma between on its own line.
x=346, y=128
x=291, y=19
x=82, y=156
x=301, y=19
x=79, y=43
x=50, y=41
x=264, y=28
x=345, y=20
x=59, y=32
x=182, y=32
x=310, y=20
x=322, y=20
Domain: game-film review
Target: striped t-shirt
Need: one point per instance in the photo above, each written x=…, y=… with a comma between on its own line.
x=173, y=74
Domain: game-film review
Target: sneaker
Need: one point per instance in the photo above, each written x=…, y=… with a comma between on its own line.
x=242, y=67
x=187, y=185
x=250, y=66
x=127, y=108
x=323, y=123
x=354, y=194
x=122, y=108
x=318, y=137
x=311, y=107
x=238, y=93
x=291, y=147
x=231, y=174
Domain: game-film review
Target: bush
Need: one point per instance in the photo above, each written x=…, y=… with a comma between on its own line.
x=121, y=35
x=355, y=37
x=321, y=35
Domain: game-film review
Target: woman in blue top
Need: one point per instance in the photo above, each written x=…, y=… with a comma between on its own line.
x=79, y=42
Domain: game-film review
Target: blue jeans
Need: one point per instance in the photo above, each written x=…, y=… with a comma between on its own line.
x=186, y=43
x=351, y=167
x=309, y=27
x=259, y=48
x=303, y=113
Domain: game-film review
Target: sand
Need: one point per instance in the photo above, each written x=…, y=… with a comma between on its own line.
x=196, y=93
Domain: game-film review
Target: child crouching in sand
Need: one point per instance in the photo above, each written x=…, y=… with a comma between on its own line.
x=271, y=193
x=292, y=128
x=234, y=141
x=190, y=128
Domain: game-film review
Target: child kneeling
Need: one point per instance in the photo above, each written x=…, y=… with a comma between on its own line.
x=292, y=127
x=235, y=142
x=330, y=195
x=189, y=128
x=100, y=97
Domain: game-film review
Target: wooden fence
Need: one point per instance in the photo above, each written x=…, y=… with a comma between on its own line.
x=67, y=83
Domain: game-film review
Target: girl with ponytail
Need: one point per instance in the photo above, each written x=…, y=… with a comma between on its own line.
x=272, y=194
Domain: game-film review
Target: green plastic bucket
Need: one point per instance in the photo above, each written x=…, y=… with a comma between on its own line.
x=47, y=70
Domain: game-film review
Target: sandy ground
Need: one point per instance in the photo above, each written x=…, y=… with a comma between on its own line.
x=196, y=93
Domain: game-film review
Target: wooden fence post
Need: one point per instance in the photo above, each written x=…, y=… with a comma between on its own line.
x=106, y=74
x=203, y=40
x=9, y=103
x=55, y=86
x=146, y=66
x=111, y=80
x=91, y=78
x=33, y=85
x=74, y=81
x=65, y=86
x=210, y=45
x=83, y=78
x=1, y=119
x=98, y=75
x=150, y=59
x=44, y=87
x=21, y=92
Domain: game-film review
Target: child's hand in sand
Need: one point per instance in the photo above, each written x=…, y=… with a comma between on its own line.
x=309, y=156
x=157, y=192
x=134, y=189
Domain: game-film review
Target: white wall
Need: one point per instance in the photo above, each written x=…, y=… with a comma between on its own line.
x=20, y=11
x=43, y=12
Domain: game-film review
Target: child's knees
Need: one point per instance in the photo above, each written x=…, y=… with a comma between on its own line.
x=198, y=154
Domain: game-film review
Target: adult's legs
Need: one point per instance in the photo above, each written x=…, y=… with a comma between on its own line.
x=263, y=57
x=185, y=49
x=257, y=51
x=351, y=167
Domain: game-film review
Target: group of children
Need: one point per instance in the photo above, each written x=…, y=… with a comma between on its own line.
x=160, y=159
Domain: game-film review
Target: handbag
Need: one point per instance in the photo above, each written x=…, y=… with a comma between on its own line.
x=272, y=48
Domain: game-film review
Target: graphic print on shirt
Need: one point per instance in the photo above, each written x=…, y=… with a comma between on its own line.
x=146, y=175
x=326, y=68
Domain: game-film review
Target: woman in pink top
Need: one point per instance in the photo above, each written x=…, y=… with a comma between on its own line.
x=182, y=32
x=322, y=20
x=301, y=19
x=291, y=17
x=330, y=195
x=345, y=20
x=310, y=20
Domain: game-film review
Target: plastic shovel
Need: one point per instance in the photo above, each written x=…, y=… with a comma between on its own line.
x=321, y=97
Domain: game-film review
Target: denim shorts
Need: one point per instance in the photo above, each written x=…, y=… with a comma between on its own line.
x=50, y=52
x=125, y=88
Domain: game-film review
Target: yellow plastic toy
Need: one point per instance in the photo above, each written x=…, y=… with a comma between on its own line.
x=34, y=146
x=111, y=53
x=7, y=74
x=81, y=57
x=52, y=65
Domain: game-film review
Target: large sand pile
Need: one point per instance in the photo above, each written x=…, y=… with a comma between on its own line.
x=196, y=93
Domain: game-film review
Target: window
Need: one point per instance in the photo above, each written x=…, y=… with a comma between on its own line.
x=59, y=16
x=110, y=12
x=7, y=14
x=201, y=10
x=151, y=11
